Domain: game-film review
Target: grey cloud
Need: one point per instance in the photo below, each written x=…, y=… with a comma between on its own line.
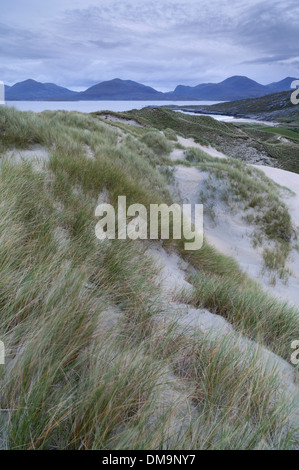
x=109, y=45
x=158, y=43
x=268, y=60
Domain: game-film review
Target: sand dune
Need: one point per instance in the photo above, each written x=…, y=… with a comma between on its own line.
x=231, y=234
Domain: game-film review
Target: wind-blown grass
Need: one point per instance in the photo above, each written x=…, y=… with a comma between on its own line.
x=93, y=357
x=252, y=312
x=251, y=188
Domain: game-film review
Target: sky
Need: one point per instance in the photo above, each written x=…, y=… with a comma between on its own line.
x=76, y=43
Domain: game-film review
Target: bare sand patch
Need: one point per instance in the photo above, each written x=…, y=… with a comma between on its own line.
x=288, y=180
x=190, y=143
x=172, y=270
x=37, y=154
x=177, y=154
x=89, y=153
x=232, y=235
x=172, y=278
x=130, y=122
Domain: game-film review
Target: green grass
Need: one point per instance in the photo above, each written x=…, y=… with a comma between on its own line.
x=157, y=142
x=235, y=140
x=184, y=124
x=94, y=356
x=170, y=135
x=286, y=154
x=276, y=106
x=253, y=312
x=250, y=189
x=290, y=133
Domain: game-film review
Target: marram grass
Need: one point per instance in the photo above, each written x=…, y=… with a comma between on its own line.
x=95, y=358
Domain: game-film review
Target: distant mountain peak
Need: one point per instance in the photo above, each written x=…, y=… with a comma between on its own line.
x=28, y=80
x=232, y=88
x=236, y=77
x=118, y=89
x=31, y=90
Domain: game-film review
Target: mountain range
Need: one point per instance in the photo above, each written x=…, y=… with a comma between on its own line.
x=233, y=88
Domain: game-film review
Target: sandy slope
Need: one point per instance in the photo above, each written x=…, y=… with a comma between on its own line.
x=230, y=233
x=190, y=143
x=178, y=154
x=291, y=181
x=173, y=278
x=36, y=154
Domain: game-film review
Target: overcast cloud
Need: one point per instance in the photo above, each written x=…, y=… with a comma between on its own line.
x=159, y=43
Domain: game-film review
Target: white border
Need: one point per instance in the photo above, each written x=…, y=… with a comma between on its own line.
x=2, y=93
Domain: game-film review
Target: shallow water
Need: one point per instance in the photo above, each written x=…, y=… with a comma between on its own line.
x=120, y=106
x=225, y=118
x=92, y=106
